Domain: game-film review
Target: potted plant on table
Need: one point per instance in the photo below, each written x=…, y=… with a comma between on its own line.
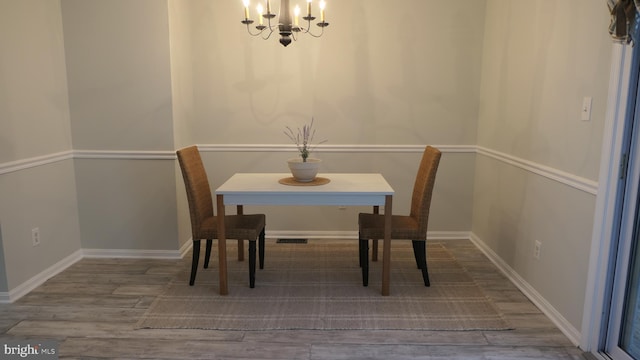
x=303, y=168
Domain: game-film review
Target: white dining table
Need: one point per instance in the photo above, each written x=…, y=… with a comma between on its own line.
x=343, y=189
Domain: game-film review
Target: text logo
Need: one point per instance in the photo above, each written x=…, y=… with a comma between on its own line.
x=29, y=349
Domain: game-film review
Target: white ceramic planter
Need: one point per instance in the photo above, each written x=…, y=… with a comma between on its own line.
x=304, y=171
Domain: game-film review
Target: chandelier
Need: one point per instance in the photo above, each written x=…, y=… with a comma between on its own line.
x=287, y=28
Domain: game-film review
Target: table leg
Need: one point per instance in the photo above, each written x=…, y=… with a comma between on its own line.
x=374, y=249
x=222, y=247
x=386, y=246
x=240, y=211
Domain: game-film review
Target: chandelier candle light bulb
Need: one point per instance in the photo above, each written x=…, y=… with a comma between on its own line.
x=309, y=8
x=296, y=20
x=246, y=9
x=260, y=17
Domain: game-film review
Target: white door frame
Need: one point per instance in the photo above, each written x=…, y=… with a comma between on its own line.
x=596, y=294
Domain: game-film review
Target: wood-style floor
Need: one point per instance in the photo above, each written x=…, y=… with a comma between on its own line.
x=92, y=307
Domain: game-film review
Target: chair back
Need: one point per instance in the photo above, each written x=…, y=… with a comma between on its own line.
x=197, y=186
x=423, y=187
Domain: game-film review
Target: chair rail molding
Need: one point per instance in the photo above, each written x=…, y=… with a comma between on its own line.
x=577, y=182
x=344, y=148
x=571, y=180
x=28, y=163
x=125, y=154
x=52, y=158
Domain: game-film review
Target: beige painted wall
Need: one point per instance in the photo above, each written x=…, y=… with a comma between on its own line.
x=127, y=204
x=34, y=110
x=42, y=197
x=181, y=15
x=34, y=122
x=540, y=59
x=117, y=54
x=120, y=99
x=365, y=82
x=4, y=287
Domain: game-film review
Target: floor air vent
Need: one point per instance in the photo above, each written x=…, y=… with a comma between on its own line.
x=291, y=241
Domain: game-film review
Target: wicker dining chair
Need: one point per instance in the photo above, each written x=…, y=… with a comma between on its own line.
x=204, y=224
x=412, y=227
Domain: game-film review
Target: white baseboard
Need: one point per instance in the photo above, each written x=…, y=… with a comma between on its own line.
x=448, y=235
x=34, y=282
x=293, y=234
x=186, y=247
x=531, y=293
x=308, y=234
x=24, y=288
x=132, y=254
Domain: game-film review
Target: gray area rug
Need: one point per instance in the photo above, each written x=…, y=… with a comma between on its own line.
x=318, y=286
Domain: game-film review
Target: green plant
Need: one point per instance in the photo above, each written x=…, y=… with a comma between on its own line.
x=303, y=139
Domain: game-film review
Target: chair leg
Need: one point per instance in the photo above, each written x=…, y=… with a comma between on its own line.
x=417, y=252
x=252, y=263
x=240, y=250
x=194, y=261
x=207, y=254
x=374, y=250
x=261, y=248
x=420, y=251
x=364, y=261
x=360, y=252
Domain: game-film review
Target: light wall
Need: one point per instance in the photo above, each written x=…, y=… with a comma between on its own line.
x=34, y=100
x=540, y=59
x=34, y=124
x=119, y=75
x=4, y=287
x=365, y=81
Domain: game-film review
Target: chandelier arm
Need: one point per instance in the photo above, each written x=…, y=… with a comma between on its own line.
x=307, y=29
x=252, y=33
x=303, y=29
x=268, y=34
x=318, y=35
x=272, y=28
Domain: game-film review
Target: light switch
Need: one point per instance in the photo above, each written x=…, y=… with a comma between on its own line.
x=586, y=108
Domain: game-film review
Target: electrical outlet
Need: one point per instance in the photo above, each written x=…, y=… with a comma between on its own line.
x=35, y=236
x=536, y=250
